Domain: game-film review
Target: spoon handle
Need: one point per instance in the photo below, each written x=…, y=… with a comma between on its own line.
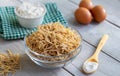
x=101, y=44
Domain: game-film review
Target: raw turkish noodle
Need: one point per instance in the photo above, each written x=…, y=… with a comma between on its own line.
x=53, y=39
x=9, y=63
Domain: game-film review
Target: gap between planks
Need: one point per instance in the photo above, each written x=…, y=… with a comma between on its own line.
x=95, y=46
x=68, y=71
x=103, y=51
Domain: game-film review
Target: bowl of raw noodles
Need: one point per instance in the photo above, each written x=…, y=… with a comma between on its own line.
x=53, y=45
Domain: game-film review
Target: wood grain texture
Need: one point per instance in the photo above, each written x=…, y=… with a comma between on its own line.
x=107, y=65
x=94, y=31
x=91, y=33
x=112, y=8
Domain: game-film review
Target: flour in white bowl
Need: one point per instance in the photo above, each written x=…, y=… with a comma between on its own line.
x=29, y=10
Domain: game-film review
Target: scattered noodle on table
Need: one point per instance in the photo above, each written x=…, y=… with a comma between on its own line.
x=9, y=63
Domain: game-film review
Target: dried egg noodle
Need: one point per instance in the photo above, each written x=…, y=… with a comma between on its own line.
x=53, y=39
x=9, y=63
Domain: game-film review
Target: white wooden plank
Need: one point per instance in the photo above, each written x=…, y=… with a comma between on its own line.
x=112, y=7
x=107, y=66
x=28, y=67
x=64, y=6
x=67, y=11
x=6, y=3
x=75, y=71
x=94, y=31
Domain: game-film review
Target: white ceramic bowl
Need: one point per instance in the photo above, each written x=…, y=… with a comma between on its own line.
x=30, y=22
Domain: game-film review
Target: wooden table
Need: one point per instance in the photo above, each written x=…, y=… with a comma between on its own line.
x=109, y=56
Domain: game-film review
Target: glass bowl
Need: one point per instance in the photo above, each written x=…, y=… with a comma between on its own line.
x=51, y=62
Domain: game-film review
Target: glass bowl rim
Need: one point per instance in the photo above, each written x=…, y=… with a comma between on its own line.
x=46, y=61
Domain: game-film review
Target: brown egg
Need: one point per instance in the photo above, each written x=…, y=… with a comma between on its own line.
x=87, y=4
x=98, y=13
x=83, y=15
